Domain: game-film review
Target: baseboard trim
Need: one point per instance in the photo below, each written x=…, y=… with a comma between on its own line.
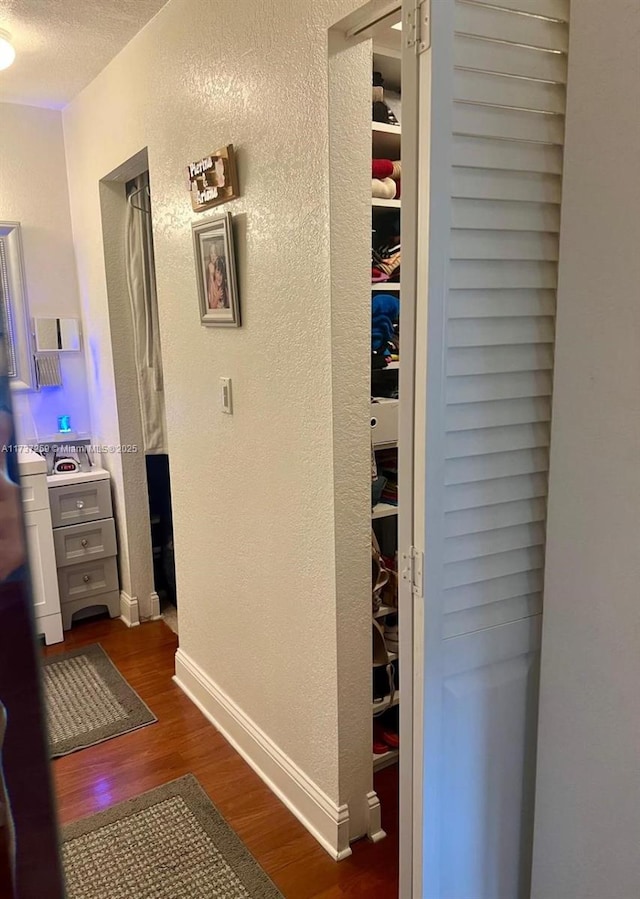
x=155, y=606
x=129, y=609
x=326, y=821
x=375, y=832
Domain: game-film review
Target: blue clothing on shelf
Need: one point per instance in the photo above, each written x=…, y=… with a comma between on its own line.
x=385, y=311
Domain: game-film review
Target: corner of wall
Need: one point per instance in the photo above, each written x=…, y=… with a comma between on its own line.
x=323, y=818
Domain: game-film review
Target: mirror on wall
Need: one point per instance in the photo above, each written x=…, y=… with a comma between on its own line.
x=56, y=335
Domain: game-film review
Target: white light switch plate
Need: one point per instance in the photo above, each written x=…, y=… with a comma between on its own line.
x=225, y=395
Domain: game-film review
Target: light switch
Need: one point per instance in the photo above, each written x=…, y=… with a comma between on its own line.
x=225, y=395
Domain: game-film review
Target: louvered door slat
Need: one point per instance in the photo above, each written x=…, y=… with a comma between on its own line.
x=467, y=416
x=490, y=543
x=509, y=59
x=469, y=596
x=480, y=388
x=492, y=184
x=491, y=615
x=552, y=9
x=500, y=490
x=488, y=518
x=501, y=303
x=505, y=274
x=479, y=442
x=496, y=465
x=475, y=360
x=521, y=156
x=479, y=243
x=486, y=332
x=504, y=25
x=507, y=124
x=504, y=215
x=509, y=91
x=473, y=571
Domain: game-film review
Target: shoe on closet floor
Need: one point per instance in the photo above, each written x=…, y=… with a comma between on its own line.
x=390, y=728
x=379, y=745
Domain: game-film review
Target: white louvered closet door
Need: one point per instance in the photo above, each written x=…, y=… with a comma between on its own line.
x=491, y=104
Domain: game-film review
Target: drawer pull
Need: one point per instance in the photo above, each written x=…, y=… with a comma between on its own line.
x=84, y=542
x=86, y=578
x=79, y=504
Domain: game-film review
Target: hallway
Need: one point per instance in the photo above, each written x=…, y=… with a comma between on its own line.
x=183, y=742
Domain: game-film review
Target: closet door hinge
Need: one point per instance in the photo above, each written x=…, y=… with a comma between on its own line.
x=417, y=26
x=412, y=570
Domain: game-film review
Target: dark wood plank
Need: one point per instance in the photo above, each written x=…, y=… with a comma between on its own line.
x=184, y=742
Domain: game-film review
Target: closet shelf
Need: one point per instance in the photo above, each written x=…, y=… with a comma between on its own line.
x=384, y=510
x=376, y=706
x=386, y=759
x=379, y=203
x=382, y=128
x=385, y=140
x=385, y=286
x=383, y=611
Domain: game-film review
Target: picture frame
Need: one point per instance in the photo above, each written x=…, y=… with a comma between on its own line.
x=216, y=271
x=213, y=179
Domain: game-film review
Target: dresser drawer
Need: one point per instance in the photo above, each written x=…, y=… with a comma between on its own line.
x=88, y=579
x=85, y=542
x=76, y=503
x=34, y=492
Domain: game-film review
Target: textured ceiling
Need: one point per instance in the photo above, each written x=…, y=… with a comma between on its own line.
x=62, y=45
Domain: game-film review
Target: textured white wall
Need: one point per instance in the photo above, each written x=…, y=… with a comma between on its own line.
x=588, y=790
x=254, y=520
x=33, y=191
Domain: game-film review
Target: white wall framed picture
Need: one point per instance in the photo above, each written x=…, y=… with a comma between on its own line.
x=216, y=271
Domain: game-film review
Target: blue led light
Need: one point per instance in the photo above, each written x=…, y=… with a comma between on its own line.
x=64, y=424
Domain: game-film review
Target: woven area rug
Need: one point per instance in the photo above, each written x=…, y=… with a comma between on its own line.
x=88, y=701
x=170, y=843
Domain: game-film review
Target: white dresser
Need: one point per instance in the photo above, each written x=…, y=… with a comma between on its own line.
x=84, y=536
x=40, y=546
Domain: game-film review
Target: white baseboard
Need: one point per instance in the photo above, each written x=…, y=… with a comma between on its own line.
x=326, y=821
x=129, y=609
x=375, y=831
x=155, y=606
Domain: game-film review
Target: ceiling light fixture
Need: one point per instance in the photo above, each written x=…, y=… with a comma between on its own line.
x=7, y=50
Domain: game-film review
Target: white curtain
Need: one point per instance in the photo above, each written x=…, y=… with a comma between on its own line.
x=141, y=282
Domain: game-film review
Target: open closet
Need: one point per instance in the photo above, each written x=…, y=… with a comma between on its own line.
x=143, y=306
x=386, y=187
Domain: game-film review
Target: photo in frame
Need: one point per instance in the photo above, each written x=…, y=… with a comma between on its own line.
x=216, y=271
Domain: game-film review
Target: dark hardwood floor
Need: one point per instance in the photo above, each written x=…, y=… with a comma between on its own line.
x=183, y=742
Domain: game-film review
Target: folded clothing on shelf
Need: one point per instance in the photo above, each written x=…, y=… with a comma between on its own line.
x=385, y=312
x=383, y=188
x=381, y=168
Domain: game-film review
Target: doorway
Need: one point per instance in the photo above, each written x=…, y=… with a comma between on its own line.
x=142, y=498
x=369, y=339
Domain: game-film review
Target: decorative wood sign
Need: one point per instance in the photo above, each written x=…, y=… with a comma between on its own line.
x=213, y=179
